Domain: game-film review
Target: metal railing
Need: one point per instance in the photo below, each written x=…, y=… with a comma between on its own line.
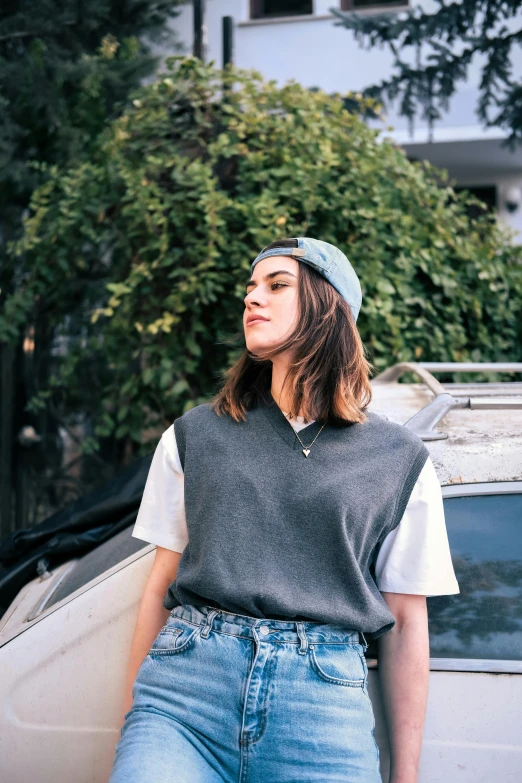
x=424, y=422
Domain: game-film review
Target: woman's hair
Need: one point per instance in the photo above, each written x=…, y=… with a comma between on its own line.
x=329, y=375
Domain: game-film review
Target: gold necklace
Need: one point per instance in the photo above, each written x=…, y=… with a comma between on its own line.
x=305, y=449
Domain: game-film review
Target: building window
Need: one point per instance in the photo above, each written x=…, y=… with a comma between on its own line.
x=263, y=9
x=357, y=5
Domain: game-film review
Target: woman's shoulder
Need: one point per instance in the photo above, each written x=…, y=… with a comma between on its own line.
x=203, y=415
x=197, y=413
x=379, y=425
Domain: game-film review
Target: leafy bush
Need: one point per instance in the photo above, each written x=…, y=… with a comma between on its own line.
x=140, y=256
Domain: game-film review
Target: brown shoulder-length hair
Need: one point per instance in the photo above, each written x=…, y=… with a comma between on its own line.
x=329, y=374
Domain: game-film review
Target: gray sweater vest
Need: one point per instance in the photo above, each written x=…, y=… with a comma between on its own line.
x=274, y=534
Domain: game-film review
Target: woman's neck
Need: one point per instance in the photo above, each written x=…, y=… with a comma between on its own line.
x=280, y=367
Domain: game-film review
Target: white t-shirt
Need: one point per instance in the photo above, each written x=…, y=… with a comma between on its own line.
x=414, y=557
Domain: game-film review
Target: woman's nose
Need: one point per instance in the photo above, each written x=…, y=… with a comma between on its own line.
x=254, y=298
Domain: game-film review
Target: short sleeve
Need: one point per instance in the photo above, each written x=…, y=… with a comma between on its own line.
x=161, y=516
x=415, y=556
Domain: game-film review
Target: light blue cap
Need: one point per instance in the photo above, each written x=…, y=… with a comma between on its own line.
x=329, y=261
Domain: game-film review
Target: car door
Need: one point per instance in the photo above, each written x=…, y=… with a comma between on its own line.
x=474, y=715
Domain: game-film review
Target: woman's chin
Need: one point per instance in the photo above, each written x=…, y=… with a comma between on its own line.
x=253, y=346
x=256, y=346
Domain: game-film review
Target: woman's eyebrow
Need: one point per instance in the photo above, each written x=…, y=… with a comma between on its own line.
x=270, y=275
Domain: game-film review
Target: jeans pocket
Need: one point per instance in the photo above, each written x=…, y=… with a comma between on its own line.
x=175, y=637
x=340, y=664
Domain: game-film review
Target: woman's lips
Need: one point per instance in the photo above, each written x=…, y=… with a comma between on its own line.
x=257, y=321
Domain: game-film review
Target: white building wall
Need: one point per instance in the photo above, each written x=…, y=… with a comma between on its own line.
x=505, y=183
x=315, y=52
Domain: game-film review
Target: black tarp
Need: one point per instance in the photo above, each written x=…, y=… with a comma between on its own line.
x=72, y=531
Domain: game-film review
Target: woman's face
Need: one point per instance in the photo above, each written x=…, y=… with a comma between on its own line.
x=271, y=294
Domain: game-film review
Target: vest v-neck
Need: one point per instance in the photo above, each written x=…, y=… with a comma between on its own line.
x=282, y=426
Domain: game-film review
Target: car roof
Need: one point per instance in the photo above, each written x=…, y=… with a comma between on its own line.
x=482, y=421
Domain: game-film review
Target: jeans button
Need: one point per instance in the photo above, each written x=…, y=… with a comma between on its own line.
x=264, y=630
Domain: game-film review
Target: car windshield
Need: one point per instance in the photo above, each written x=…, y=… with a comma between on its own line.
x=484, y=620
x=96, y=562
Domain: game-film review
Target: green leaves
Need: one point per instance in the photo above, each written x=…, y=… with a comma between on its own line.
x=385, y=287
x=183, y=192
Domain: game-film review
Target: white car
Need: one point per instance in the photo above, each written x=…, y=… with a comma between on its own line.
x=65, y=639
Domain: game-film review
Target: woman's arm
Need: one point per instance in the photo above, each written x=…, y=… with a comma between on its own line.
x=404, y=678
x=151, y=616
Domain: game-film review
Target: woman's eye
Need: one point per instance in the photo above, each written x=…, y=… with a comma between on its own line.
x=272, y=286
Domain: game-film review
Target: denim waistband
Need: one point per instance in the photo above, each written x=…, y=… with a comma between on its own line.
x=296, y=631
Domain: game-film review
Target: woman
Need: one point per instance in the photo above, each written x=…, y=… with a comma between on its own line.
x=290, y=525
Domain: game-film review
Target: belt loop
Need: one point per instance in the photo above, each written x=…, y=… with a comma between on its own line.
x=365, y=642
x=303, y=647
x=208, y=623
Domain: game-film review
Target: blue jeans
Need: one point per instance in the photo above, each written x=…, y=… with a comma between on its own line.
x=229, y=697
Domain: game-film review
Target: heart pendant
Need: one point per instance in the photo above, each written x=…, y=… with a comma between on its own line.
x=306, y=452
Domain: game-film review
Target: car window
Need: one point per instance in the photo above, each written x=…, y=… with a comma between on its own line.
x=97, y=561
x=484, y=620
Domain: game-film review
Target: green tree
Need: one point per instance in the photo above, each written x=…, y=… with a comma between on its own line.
x=161, y=226
x=451, y=37
x=65, y=68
